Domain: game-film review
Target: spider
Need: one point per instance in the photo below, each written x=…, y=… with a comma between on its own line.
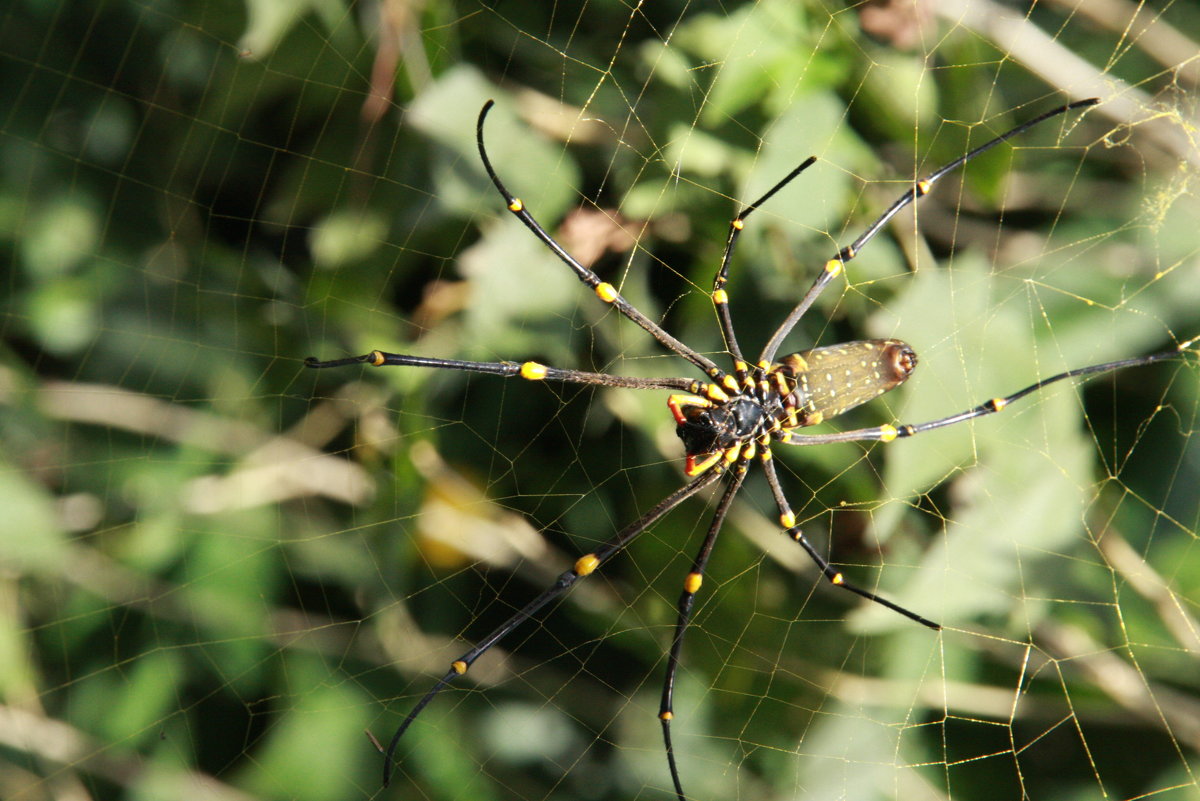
x=732, y=417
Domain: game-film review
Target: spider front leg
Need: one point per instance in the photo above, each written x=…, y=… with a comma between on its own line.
x=584, y=566
x=604, y=290
x=530, y=371
x=687, y=598
x=835, y=266
x=695, y=577
x=787, y=519
x=719, y=296
x=887, y=433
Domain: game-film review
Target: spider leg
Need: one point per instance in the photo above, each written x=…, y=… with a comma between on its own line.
x=887, y=433
x=584, y=566
x=604, y=290
x=719, y=295
x=834, y=266
x=788, y=519
x=531, y=371
x=687, y=598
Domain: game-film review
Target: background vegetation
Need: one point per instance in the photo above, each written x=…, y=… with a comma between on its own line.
x=220, y=568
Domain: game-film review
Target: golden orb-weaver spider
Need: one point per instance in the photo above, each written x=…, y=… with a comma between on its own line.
x=731, y=418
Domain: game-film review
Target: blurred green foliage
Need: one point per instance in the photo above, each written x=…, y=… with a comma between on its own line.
x=220, y=568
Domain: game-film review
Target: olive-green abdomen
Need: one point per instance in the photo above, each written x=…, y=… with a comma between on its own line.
x=831, y=380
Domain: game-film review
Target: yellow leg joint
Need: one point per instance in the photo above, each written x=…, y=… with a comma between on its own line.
x=888, y=433
x=459, y=667
x=998, y=403
x=665, y=715
x=738, y=224
x=838, y=578
x=516, y=205
x=923, y=187
x=693, y=582
x=787, y=519
x=716, y=393
x=833, y=266
x=533, y=371
x=720, y=297
x=586, y=565
x=695, y=468
x=606, y=292
x=377, y=358
x=781, y=384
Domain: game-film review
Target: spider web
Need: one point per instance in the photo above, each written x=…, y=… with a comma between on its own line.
x=221, y=568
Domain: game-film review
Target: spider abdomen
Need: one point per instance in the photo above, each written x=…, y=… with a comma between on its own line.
x=827, y=381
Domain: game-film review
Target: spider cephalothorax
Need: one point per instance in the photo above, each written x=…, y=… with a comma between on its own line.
x=711, y=428
x=731, y=421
